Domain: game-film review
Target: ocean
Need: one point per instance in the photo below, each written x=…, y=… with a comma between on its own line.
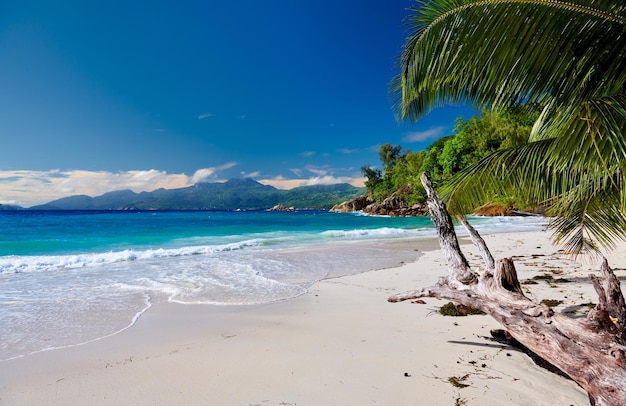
x=72, y=277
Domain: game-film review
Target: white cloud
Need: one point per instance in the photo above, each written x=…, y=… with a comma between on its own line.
x=205, y=174
x=29, y=188
x=347, y=151
x=201, y=175
x=317, y=171
x=254, y=174
x=308, y=153
x=419, y=136
x=322, y=176
x=205, y=115
x=296, y=171
x=281, y=183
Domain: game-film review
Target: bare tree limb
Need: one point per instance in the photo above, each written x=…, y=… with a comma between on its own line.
x=478, y=242
x=590, y=350
x=458, y=267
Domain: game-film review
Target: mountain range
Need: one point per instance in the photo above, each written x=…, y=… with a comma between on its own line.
x=241, y=193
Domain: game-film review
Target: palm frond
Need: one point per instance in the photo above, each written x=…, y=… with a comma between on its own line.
x=499, y=52
x=586, y=206
x=567, y=56
x=519, y=169
x=593, y=138
x=584, y=221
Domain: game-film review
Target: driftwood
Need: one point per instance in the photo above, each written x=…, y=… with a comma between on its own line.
x=591, y=350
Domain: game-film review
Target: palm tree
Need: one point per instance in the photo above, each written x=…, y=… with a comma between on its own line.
x=566, y=56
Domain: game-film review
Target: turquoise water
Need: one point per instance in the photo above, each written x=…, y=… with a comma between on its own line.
x=68, y=278
x=75, y=232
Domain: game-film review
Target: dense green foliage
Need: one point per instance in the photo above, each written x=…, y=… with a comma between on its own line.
x=474, y=139
x=569, y=58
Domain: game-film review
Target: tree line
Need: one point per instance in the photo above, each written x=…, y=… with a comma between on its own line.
x=471, y=141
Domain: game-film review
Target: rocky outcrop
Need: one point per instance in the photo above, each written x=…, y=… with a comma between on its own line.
x=358, y=204
x=394, y=205
x=280, y=207
x=495, y=209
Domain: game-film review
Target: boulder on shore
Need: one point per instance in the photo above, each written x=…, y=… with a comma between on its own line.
x=280, y=207
x=394, y=205
x=386, y=209
x=497, y=209
x=356, y=204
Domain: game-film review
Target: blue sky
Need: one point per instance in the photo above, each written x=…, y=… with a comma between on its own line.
x=100, y=96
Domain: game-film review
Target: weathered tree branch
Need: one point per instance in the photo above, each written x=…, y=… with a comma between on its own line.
x=611, y=297
x=478, y=242
x=590, y=350
x=458, y=267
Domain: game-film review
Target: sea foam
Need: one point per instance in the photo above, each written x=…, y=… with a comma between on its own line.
x=39, y=263
x=93, y=278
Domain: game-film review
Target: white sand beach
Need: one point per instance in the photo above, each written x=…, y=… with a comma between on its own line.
x=342, y=343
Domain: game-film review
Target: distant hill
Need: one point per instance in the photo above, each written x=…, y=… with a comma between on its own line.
x=7, y=207
x=231, y=195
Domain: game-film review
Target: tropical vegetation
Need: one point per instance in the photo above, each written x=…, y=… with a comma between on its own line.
x=568, y=57
x=471, y=141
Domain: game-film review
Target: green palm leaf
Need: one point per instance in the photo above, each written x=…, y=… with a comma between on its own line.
x=498, y=52
x=568, y=57
x=584, y=206
x=580, y=227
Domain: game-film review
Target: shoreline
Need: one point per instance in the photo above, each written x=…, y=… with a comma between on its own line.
x=340, y=343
